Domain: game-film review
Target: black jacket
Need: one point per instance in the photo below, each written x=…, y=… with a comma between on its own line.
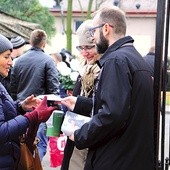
x=120, y=135
x=34, y=73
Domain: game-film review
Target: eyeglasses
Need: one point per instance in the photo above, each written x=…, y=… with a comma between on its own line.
x=93, y=29
x=87, y=47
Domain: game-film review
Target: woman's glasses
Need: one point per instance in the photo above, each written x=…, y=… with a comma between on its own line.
x=86, y=47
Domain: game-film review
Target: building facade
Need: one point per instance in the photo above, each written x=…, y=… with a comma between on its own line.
x=141, y=20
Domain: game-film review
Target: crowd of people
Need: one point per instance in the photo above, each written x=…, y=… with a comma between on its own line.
x=114, y=87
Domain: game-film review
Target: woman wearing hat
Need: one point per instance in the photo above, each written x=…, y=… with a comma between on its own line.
x=18, y=44
x=74, y=159
x=14, y=121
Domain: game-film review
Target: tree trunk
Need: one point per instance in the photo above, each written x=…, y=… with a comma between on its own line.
x=69, y=30
x=89, y=9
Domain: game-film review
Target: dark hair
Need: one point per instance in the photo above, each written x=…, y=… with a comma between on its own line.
x=63, y=56
x=64, y=59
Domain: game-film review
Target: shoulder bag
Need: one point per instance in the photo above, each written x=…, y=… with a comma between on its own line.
x=27, y=160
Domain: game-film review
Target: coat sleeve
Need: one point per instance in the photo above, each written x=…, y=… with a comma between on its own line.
x=11, y=125
x=13, y=128
x=83, y=106
x=112, y=107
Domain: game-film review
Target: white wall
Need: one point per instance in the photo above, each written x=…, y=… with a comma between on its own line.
x=143, y=31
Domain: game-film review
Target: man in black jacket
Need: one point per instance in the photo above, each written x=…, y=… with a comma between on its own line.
x=150, y=60
x=120, y=133
x=35, y=73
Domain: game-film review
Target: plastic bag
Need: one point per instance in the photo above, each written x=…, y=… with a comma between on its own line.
x=56, y=146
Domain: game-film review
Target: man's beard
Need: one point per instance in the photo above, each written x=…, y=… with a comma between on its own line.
x=103, y=44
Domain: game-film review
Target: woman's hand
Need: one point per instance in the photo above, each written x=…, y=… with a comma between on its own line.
x=69, y=101
x=30, y=102
x=71, y=137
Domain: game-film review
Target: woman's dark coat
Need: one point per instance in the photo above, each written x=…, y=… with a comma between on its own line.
x=12, y=125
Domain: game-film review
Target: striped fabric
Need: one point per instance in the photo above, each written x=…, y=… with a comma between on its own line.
x=17, y=42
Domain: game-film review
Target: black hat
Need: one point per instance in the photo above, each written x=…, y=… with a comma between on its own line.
x=5, y=44
x=17, y=42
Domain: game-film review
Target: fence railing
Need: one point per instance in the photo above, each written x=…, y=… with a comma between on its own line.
x=160, y=82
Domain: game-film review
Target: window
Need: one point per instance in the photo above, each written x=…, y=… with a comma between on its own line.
x=77, y=24
x=57, y=3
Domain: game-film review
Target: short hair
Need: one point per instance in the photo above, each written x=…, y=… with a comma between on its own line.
x=38, y=38
x=113, y=16
x=57, y=56
x=152, y=49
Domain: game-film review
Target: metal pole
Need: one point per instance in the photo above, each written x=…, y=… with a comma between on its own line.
x=158, y=75
x=164, y=85
x=166, y=52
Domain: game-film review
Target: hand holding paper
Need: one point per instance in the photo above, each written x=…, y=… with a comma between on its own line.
x=71, y=137
x=30, y=102
x=72, y=122
x=69, y=101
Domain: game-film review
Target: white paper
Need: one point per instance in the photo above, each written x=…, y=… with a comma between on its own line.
x=72, y=122
x=51, y=97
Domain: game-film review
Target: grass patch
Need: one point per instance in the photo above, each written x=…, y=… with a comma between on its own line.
x=167, y=98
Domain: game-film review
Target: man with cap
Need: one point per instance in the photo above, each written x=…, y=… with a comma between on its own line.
x=18, y=47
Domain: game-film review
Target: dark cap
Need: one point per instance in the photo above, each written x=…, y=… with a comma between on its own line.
x=17, y=42
x=5, y=44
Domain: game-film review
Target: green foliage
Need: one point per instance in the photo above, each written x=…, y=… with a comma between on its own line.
x=67, y=82
x=31, y=11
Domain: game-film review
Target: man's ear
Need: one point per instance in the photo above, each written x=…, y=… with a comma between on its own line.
x=43, y=45
x=106, y=29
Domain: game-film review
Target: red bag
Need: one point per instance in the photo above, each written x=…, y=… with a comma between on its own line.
x=57, y=145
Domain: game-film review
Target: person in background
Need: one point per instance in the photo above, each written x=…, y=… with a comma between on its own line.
x=150, y=59
x=120, y=135
x=74, y=159
x=68, y=54
x=14, y=120
x=18, y=49
x=64, y=57
x=34, y=73
x=57, y=59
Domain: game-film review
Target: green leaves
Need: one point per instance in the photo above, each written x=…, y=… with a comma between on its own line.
x=67, y=82
x=31, y=11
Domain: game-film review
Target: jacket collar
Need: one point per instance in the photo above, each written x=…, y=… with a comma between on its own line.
x=121, y=42
x=36, y=49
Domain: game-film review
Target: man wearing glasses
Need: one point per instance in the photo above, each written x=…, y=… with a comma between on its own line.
x=120, y=134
